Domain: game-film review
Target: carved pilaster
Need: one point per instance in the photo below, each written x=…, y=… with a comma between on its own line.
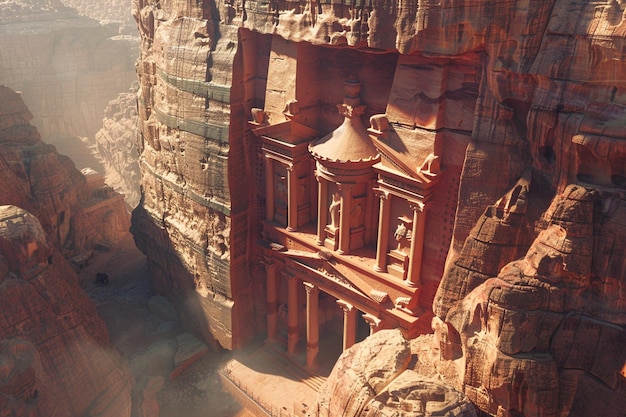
x=417, y=244
x=272, y=300
x=349, y=323
x=345, y=191
x=292, y=198
x=269, y=189
x=382, y=242
x=312, y=325
x=322, y=208
x=293, y=330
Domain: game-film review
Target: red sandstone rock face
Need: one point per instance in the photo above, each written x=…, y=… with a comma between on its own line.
x=76, y=214
x=55, y=358
x=523, y=102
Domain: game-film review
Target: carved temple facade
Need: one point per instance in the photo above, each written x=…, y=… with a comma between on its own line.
x=344, y=229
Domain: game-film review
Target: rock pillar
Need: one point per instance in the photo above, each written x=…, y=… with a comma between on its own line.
x=349, y=323
x=312, y=325
x=383, y=236
x=417, y=245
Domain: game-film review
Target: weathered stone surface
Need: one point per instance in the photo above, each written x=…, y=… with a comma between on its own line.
x=76, y=211
x=518, y=338
x=55, y=357
x=372, y=379
x=188, y=350
x=115, y=146
x=523, y=103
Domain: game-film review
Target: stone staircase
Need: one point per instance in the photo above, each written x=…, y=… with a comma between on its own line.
x=275, y=355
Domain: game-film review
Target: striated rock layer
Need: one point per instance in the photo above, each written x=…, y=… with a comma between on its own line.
x=521, y=101
x=55, y=356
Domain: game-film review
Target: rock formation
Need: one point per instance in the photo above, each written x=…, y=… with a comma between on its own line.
x=77, y=212
x=115, y=146
x=55, y=357
x=66, y=66
x=517, y=108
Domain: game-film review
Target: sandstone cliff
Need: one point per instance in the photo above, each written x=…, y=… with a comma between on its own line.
x=523, y=103
x=55, y=357
x=66, y=66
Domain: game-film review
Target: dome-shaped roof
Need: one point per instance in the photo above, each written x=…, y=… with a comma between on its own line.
x=350, y=142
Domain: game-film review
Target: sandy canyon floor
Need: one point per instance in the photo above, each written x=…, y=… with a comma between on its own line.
x=149, y=341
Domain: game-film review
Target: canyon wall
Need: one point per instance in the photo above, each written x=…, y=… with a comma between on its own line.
x=522, y=101
x=67, y=67
x=55, y=355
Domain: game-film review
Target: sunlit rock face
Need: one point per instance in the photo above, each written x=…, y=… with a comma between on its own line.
x=67, y=67
x=55, y=356
x=524, y=102
x=115, y=146
x=77, y=212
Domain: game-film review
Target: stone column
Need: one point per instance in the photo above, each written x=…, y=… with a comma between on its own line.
x=312, y=325
x=373, y=321
x=417, y=245
x=344, y=218
x=272, y=301
x=322, y=208
x=349, y=323
x=269, y=189
x=382, y=244
x=293, y=333
x=292, y=198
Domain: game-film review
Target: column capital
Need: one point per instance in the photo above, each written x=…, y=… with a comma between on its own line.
x=345, y=306
x=310, y=288
x=380, y=193
x=417, y=206
x=373, y=321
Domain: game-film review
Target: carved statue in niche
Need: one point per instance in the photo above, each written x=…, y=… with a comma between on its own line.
x=402, y=234
x=334, y=210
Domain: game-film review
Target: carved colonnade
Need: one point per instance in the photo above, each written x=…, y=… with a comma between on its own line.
x=312, y=315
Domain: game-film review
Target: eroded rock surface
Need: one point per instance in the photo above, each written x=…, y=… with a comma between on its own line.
x=77, y=212
x=55, y=356
x=522, y=102
x=115, y=146
x=374, y=379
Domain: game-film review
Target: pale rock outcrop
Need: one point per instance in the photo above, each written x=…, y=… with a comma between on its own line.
x=373, y=379
x=115, y=146
x=55, y=357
